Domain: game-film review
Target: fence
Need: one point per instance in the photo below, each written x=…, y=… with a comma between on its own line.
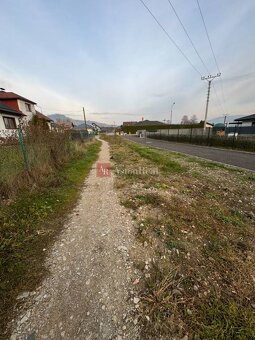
x=80, y=135
x=206, y=137
x=33, y=155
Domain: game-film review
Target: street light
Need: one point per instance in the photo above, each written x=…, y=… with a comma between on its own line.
x=172, y=113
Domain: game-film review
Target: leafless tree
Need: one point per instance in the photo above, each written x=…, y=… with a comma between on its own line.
x=185, y=120
x=193, y=119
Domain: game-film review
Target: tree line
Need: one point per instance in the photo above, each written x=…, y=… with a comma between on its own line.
x=186, y=120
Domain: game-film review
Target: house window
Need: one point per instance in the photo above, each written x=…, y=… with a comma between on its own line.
x=28, y=107
x=10, y=123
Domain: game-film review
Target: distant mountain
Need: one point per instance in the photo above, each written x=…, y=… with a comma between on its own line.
x=61, y=117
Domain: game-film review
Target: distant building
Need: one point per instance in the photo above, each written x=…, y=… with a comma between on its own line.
x=44, y=118
x=143, y=123
x=209, y=125
x=90, y=128
x=64, y=125
x=246, y=121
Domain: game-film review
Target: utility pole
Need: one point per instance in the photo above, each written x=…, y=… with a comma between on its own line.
x=171, y=117
x=85, y=122
x=209, y=79
x=225, y=125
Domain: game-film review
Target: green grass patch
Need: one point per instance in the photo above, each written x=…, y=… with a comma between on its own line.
x=250, y=178
x=28, y=226
x=229, y=216
x=225, y=321
x=161, y=158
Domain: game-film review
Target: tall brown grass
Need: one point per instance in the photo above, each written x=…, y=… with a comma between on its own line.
x=46, y=152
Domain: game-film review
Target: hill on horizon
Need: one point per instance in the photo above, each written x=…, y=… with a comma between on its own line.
x=220, y=119
x=61, y=117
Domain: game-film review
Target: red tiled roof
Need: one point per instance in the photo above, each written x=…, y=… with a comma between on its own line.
x=11, y=95
x=8, y=110
x=42, y=116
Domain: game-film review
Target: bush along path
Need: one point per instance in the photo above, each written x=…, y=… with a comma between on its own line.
x=89, y=291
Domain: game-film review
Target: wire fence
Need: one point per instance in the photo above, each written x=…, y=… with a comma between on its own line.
x=29, y=156
x=81, y=135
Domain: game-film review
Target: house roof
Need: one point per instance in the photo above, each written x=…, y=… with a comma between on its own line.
x=245, y=118
x=65, y=124
x=148, y=122
x=143, y=123
x=42, y=116
x=82, y=126
x=8, y=110
x=11, y=95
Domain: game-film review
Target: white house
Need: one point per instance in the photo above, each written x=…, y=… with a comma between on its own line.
x=246, y=121
x=9, y=120
x=19, y=103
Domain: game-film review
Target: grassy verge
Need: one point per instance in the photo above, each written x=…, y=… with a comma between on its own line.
x=195, y=222
x=29, y=224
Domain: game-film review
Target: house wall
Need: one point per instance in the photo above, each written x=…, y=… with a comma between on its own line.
x=22, y=108
x=246, y=123
x=7, y=132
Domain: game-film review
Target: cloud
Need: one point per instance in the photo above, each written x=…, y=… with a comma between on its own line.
x=111, y=57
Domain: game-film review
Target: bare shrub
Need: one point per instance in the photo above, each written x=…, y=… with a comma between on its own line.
x=46, y=152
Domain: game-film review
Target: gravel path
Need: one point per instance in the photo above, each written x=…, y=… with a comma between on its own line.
x=89, y=292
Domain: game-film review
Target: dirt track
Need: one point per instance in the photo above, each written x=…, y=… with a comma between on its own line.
x=88, y=293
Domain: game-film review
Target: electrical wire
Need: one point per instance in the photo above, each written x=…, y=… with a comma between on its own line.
x=170, y=38
x=214, y=56
x=207, y=34
x=194, y=47
x=187, y=34
x=59, y=109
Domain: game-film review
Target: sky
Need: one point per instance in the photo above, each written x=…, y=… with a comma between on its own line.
x=111, y=57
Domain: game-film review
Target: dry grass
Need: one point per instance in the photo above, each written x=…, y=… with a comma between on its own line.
x=196, y=222
x=46, y=153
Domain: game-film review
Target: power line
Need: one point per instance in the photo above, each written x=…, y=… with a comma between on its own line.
x=214, y=56
x=170, y=38
x=193, y=45
x=59, y=109
x=187, y=34
x=172, y=41
x=216, y=63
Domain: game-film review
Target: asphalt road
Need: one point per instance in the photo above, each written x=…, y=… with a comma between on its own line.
x=245, y=160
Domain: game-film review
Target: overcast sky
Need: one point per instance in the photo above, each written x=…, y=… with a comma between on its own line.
x=111, y=57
